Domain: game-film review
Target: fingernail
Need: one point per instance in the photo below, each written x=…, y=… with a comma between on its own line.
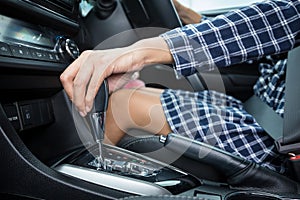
x=82, y=114
x=87, y=109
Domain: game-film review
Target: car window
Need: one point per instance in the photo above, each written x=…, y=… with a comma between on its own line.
x=216, y=5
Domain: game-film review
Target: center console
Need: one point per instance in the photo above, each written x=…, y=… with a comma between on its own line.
x=138, y=175
x=128, y=172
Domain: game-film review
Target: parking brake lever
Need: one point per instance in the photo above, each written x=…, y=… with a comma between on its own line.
x=97, y=118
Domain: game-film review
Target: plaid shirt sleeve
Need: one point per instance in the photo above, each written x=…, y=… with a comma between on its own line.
x=252, y=32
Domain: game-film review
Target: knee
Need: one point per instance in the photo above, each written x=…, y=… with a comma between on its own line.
x=121, y=98
x=119, y=107
x=130, y=108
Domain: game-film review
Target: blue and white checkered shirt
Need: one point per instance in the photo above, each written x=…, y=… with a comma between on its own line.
x=253, y=32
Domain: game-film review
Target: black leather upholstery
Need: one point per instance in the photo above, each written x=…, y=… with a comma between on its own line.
x=239, y=172
x=217, y=165
x=149, y=145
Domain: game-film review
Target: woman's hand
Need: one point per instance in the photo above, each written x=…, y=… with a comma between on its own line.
x=85, y=75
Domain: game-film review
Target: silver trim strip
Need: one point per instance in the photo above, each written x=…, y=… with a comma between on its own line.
x=113, y=181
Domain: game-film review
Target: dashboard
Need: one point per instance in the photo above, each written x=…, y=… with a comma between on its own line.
x=36, y=45
x=22, y=41
x=32, y=40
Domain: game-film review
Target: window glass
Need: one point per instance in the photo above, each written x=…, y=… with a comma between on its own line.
x=204, y=5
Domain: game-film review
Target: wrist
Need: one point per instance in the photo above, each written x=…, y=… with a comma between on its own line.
x=151, y=51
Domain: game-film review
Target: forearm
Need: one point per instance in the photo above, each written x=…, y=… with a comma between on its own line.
x=151, y=51
x=268, y=28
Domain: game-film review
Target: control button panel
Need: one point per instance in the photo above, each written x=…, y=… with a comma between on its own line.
x=29, y=114
x=30, y=42
x=35, y=113
x=21, y=51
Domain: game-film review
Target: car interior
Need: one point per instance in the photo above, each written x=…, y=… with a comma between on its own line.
x=45, y=156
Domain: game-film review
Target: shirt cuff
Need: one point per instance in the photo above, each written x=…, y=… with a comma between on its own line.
x=181, y=51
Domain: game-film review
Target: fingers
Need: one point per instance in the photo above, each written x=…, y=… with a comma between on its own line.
x=68, y=76
x=84, y=76
x=76, y=78
x=95, y=82
x=80, y=85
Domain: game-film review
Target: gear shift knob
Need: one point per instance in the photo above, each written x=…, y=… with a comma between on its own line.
x=101, y=99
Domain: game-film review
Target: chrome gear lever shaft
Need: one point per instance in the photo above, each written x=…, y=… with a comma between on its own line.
x=96, y=119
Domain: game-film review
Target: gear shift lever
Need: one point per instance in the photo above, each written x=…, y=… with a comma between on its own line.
x=96, y=119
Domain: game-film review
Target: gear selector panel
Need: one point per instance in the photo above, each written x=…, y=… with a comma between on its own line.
x=127, y=167
x=117, y=163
